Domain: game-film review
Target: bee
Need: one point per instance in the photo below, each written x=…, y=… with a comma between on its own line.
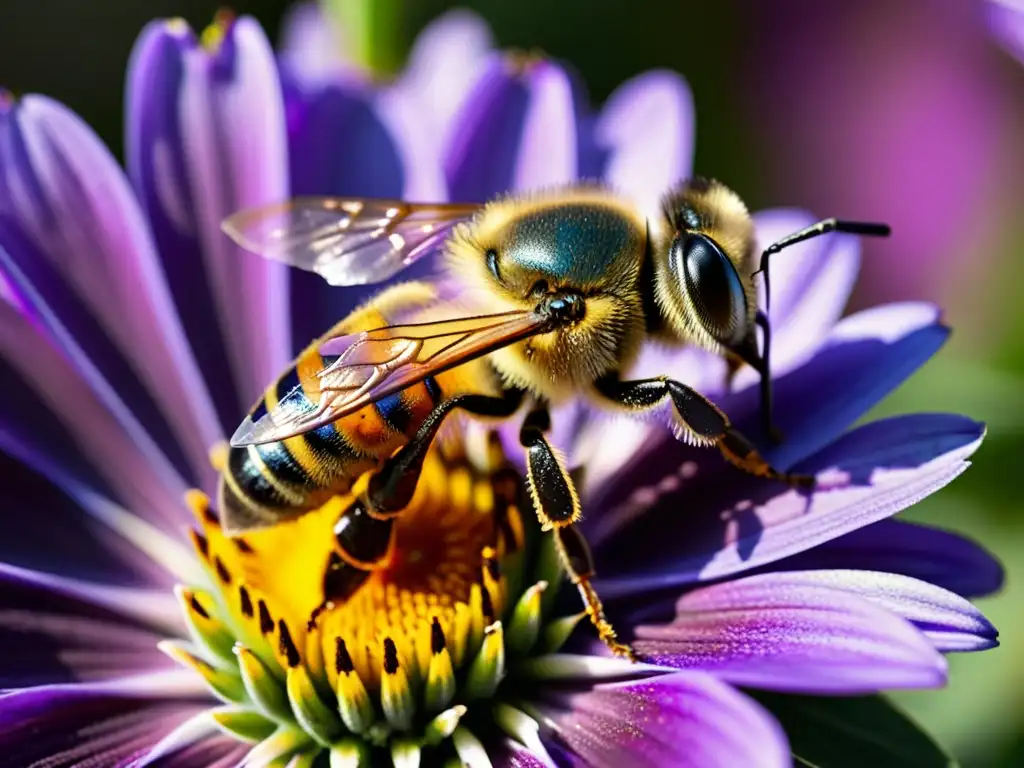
x=546, y=296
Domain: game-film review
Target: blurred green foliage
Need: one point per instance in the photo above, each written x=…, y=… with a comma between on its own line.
x=78, y=52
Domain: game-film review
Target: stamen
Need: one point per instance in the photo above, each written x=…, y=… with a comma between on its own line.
x=225, y=683
x=524, y=627
x=405, y=753
x=557, y=633
x=243, y=723
x=245, y=602
x=440, y=689
x=315, y=717
x=444, y=725
x=395, y=697
x=286, y=646
x=262, y=687
x=488, y=668
x=206, y=629
x=353, y=702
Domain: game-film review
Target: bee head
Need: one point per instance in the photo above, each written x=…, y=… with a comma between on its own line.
x=704, y=264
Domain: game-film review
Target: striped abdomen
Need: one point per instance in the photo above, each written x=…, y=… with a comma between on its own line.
x=266, y=484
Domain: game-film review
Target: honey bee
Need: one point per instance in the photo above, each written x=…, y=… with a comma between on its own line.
x=554, y=295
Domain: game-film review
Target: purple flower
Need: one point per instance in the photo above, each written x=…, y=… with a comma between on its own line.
x=132, y=334
x=1006, y=20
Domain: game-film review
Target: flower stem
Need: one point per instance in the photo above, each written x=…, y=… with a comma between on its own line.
x=373, y=32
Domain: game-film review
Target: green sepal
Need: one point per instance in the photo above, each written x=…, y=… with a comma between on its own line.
x=243, y=723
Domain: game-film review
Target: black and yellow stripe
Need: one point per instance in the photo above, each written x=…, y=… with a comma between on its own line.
x=265, y=484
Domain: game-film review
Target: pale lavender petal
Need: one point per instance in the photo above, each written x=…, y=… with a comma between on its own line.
x=684, y=720
x=515, y=132
x=774, y=632
x=811, y=284
x=105, y=723
x=421, y=107
x=719, y=529
x=233, y=148
x=95, y=419
x=62, y=188
x=54, y=629
x=939, y=557
x=1006, y=20
x=949, y=621
x=158, y=170
x=312, y=48
x=647, y=128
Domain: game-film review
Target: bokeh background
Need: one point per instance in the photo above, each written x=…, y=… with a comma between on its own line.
x=907, y=111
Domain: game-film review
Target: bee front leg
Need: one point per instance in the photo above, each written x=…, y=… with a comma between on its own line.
x=699, y=418
x=558, y=506
x=747, y=352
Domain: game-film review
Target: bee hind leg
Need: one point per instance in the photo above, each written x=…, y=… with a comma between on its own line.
x=558, y=507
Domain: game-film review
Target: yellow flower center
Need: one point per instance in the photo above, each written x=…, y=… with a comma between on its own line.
x=458, y=602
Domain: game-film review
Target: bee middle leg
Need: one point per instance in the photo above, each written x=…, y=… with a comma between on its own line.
x=700, y=418
x=392, y=487
x=558, y=506
x=362, y=544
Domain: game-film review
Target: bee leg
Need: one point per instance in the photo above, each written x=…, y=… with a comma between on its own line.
x=747, y=352
x=392, y=487
x=558, y=506
x=552, y=490
x=702, y=420
x=362, y=544
x=579, y=565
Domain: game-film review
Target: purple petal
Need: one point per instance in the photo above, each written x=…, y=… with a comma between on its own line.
x=948, y=620
x=721, y=529
x=73, y=213
x=338, y=145
x=517, y=131
x=312, y=48
x=150, y=553
x=96, y=724
x=939, y=557
x=866, y=356
x=92, y=415
x=1006, y=20
x=811, y=284
x=790, y=634
x=684, y=720
x=206, y=137
x=421, y=107
x=647, y=128
x=513, y=755
x=54, y=629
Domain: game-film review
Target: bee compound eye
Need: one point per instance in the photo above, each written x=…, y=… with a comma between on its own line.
x=712, y=286
x=492, y=263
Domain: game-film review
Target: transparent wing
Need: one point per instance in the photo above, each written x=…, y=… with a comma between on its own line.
x=364, y=367
x=346, y=241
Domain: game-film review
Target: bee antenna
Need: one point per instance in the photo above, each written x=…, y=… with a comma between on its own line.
x=822, y=227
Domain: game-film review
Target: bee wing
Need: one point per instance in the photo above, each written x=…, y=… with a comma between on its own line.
x=346, y=241
x=365, y=367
